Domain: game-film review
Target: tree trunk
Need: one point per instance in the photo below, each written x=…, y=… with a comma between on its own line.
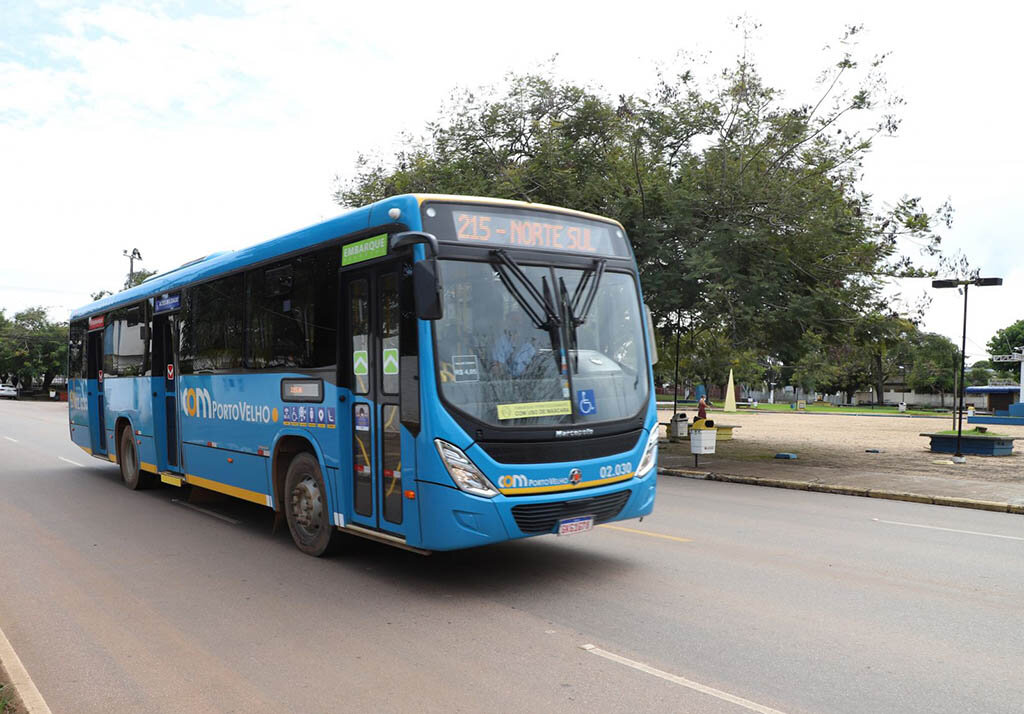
x=879, y=379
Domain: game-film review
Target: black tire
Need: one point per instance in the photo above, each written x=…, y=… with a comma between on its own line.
x=305, y=507
x=128, y=460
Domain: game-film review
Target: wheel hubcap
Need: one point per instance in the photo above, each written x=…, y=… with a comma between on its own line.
x=307, y=507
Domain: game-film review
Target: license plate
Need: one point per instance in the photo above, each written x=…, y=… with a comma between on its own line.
x=579, y=524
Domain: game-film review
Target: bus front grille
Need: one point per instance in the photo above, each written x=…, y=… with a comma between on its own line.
x=542, y=517
x=539, y=452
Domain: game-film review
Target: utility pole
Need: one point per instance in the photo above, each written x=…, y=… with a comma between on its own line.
x=132, y=257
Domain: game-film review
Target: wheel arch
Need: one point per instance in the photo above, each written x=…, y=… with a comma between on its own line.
x=120, y=424
x=286, y=446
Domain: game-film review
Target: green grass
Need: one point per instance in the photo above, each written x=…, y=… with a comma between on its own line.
x=972, y=432
x=5, y=703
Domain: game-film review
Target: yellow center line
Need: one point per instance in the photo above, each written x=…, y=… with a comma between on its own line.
x=647, y=533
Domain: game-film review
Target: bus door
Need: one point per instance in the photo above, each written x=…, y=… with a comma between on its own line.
x=370, y=303
x=165, y=390
x=94, y=377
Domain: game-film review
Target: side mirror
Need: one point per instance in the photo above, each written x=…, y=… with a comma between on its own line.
x=426, y=288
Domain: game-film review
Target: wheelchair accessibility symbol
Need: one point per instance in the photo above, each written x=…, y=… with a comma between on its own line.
x=585, y=401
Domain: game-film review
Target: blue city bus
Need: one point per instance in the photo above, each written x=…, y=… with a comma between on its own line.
x=432, y=372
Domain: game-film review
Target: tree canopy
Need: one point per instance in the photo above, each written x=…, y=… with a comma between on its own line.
x=32, y=347
x=745, y=213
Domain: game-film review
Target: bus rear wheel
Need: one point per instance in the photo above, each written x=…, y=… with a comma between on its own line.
x=305, y=505
x=132, y=476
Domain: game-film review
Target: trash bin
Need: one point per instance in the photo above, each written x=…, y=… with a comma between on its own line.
x=903, y=406
x=678, y=427
x=702, y=441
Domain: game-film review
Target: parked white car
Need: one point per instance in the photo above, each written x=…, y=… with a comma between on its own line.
x=8, y=392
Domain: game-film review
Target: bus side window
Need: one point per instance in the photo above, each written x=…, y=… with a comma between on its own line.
x=211, y=334
x=293, y=312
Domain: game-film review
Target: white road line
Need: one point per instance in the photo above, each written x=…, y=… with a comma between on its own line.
x=69, y=461
x=208, y=512
x=20, y=681
x=10, y=439
x=682, y=681
x=949, y=530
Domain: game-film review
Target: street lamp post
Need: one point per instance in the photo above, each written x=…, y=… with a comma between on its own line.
x=958, y=457
x=132, y=257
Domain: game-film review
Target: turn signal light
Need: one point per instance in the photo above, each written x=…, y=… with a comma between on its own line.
x=411, y=495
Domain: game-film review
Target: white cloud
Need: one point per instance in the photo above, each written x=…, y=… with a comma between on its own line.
x=180, y=133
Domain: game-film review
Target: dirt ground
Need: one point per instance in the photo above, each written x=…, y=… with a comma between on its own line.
x=840, y=441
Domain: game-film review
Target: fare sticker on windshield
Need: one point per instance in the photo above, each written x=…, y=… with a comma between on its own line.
x=534, y=409
x=466, y=368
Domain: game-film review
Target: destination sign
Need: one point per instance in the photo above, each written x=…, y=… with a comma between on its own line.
x=544, y=230
x=302, y=390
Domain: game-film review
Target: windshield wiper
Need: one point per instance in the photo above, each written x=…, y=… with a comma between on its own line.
x=547, y=317
x=577, y=315
x=544, y=318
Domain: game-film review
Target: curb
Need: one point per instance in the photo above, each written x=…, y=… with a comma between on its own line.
x=955, y=502
x=26, y=696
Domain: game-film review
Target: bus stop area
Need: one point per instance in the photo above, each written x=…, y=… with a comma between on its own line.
x=862, y=455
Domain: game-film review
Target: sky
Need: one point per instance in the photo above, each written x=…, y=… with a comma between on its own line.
x=180, y=127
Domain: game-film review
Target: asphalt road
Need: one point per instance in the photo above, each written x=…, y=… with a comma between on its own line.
x=120, y=601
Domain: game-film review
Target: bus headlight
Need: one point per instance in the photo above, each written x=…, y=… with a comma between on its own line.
x=464, y=472
x=650, y=457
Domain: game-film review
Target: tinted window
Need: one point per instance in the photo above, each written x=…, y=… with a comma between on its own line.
x=293, y=312
x=110, y=347
x=125, y=343
x=76, y=349
x=211, y=329
x=132, y=357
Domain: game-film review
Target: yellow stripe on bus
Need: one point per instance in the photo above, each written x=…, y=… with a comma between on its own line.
x=563, y=487
x=86, y=449
x=112, y=458
x=243, y=493
x=148, y=467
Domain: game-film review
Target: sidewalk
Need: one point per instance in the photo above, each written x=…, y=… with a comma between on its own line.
x=984, y=495
x=833, y=457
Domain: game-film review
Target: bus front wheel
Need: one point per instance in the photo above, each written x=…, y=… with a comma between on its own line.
x=306, y=507
x=129, y=462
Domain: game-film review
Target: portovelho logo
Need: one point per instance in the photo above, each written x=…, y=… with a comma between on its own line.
x=198, y=403
x=522, y=481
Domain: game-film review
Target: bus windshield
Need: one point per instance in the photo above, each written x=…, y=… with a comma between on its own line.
x=502, y=366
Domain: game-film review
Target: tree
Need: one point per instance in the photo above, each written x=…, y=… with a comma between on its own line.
x=745, y=214
x=936, y=365
x=31, y=347
x=978, y=376
x=1007, y=340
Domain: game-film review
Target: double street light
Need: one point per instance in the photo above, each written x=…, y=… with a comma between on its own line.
x=958, y=457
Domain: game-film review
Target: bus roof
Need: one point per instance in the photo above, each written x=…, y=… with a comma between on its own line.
x=222, y=262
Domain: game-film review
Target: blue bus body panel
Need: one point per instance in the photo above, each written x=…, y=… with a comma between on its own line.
x=231, y=424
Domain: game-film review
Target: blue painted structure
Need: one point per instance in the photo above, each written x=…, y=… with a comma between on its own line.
x=972, y=444
x=234, y=428
x=1013, y=416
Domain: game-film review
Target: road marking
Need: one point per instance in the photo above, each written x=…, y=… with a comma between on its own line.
x=10, y=439
x=646, y=533
x=207, y=511
x=20, y=681
x=69, y=461
x=950, y=530
x=682, y=681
